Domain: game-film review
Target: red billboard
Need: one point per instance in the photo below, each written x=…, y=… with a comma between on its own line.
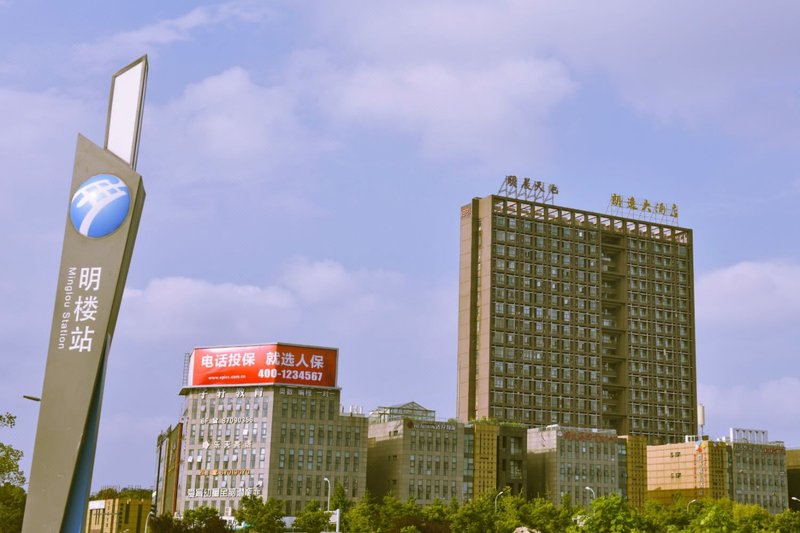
x=265, y=364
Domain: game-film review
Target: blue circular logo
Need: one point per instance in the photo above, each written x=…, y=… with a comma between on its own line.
x=100, y=206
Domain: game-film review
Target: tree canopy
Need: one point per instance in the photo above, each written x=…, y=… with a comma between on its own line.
x=10, y=456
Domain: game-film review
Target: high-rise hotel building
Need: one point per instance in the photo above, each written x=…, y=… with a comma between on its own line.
x=576, y=318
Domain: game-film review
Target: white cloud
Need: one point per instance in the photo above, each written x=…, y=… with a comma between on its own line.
x=324, y=293
x=468, y=111
x=128, y=45
x=184, y=308
x=36, y=144
x=382, y=323
x=750, y=293
x=228, y=128
x=725, y=65
x=766, y=405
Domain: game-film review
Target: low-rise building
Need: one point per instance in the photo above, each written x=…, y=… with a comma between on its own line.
x=416, y=459
x=757, y=469
x=117, y=515
x=576, y=462
x=695, y=468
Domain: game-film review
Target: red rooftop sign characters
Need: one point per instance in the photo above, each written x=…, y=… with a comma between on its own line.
x=265, y=364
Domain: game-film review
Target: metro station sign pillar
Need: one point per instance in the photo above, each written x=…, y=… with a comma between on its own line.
x=105, y=204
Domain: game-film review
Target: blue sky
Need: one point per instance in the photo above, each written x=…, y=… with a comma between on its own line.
x=305, y=163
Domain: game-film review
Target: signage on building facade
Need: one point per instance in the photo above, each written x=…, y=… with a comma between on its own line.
x=285, y=364
x=528, y=189
x=643, y=208
x=428, y=425
x=233, y=472
x=596, y=437
x=223, y=492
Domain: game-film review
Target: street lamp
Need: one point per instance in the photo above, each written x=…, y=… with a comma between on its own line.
x=495, y=498
x=590, y=489
x=795, y=498
x=328, y=482
x=688, y=504
x=147, y=520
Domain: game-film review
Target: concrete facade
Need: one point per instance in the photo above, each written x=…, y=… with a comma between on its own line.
x=758, y=470
x=273, y=441
x=418, y=459
x=564, y=461
x=633, y=469
x=168, y=451
x=793, y=478
x=575, y=318
x=690, y=470
x=117, y=515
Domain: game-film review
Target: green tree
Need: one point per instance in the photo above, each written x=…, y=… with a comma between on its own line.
x=261, y=516
x=106, y=493
x=12, y=507
x=716, y=517
x=409, y=514
x=509, y=512
x=786, y=522
x=657, y=517
x=136, y=493
x=436, y=517
x=339, y=500
x=364, y=516
x=611, y=514
x=204, y=520
x=313, y=519
x=165, y=524
x=476, y=516
x=751, y=518
x=541, y=514
x=10, y=456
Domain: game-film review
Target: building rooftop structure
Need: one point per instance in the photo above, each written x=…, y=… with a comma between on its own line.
x=402, y=411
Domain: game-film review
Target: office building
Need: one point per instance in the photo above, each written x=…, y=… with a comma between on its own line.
x=576, y=318
x=633, y=469
x=266, y=421
x=579, y=463
x=494, y=458
x=690, y=470
x=412, y=455
x=416, y=459
x=168, y=465
x=758, y=472
x=793, y=477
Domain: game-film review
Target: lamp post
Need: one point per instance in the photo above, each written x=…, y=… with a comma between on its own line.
x=795, y=498
x=147, y=520
x=590, y=489
x=495, y=499
x=690, y=503
x=328, y=482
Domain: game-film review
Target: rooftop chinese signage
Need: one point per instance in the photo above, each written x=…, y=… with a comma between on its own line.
x=528, y=189
x=285, y=364
x=643, y=208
